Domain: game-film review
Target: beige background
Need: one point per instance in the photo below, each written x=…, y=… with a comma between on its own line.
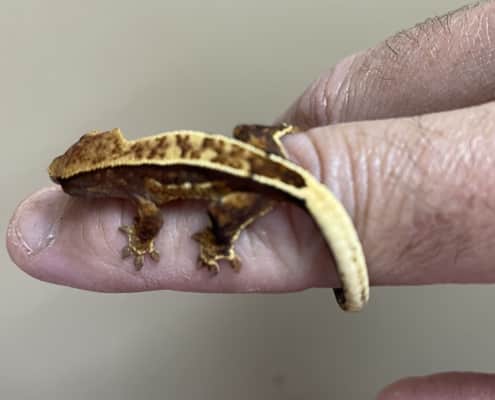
x=68, y=67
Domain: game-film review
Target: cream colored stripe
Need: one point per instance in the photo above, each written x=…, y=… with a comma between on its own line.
x=341, y=236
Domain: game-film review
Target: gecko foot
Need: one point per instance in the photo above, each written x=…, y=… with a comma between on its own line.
x=137, y=247
x=210, y=252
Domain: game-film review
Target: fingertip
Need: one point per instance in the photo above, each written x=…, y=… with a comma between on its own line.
x=32, y=227
x=47, y=239
x=324, y=101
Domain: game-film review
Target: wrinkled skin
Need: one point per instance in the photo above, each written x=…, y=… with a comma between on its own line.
x=428, y=180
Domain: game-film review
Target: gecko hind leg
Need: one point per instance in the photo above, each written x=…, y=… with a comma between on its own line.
x=264, y=137
x=229, y=215
x=142, y=233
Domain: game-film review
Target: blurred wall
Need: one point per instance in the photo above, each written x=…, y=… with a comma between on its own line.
x=68, y=67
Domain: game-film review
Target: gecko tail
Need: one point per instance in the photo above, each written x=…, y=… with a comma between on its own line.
x=341, y=236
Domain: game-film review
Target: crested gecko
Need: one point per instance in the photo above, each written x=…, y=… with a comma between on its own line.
x=241, y=178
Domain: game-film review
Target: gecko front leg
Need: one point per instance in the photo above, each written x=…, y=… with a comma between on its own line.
x=229, y=215
x=142, y=233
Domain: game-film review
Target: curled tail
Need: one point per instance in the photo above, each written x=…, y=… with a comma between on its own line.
x=341, y=237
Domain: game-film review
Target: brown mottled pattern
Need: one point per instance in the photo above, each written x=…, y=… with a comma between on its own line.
x=96, y=151
x=183, y=142
x=260, y=136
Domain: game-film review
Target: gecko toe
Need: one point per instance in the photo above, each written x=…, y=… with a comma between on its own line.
x=139, y=262
x=126, y=251
x=126, y=229
x=214, y=268
x=210, y=264
x=155, y=255
x=235, y=263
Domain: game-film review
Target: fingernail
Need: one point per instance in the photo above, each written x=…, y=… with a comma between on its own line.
x=35, y=221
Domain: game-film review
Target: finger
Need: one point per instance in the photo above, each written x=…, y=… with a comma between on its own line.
x=445, y=386
x=420, y=190
x=444, y=63
x=76, y=242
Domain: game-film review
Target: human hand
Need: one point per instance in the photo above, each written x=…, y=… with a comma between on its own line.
x=420, y=189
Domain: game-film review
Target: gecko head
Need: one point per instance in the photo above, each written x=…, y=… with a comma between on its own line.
x=85, y=154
